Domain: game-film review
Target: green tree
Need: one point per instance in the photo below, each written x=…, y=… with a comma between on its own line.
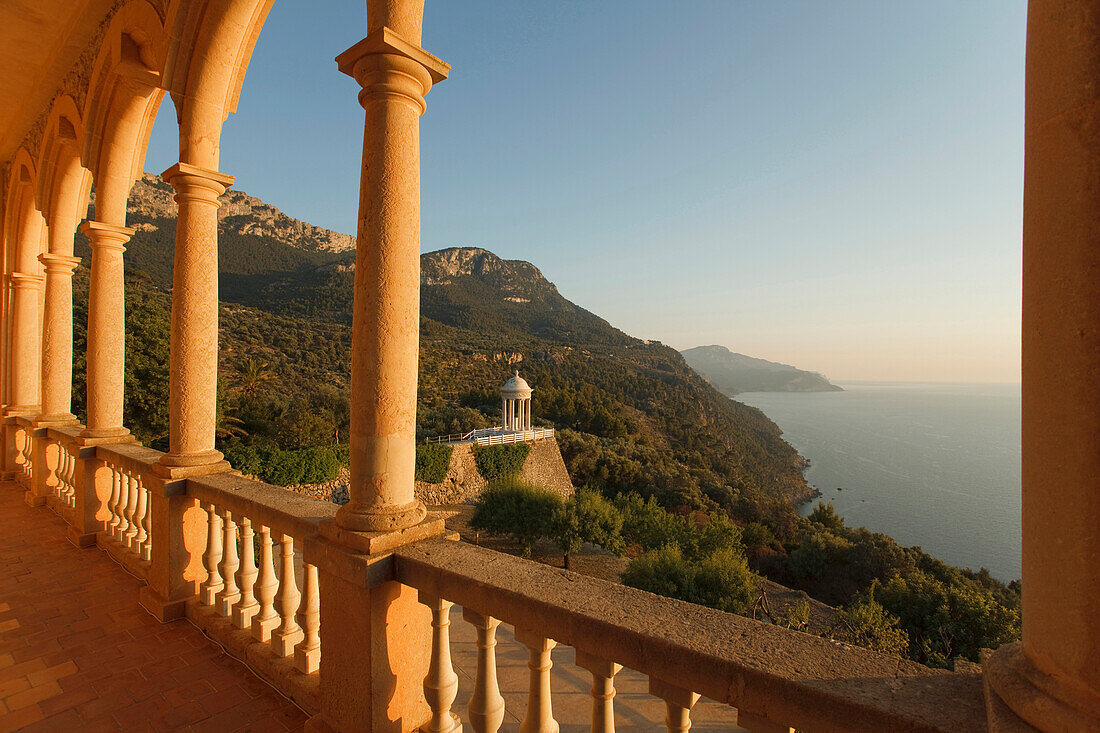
x=517, y=510
x=588, y=517
x=825, y=515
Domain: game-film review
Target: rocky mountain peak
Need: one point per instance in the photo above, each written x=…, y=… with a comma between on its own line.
x=152, y=198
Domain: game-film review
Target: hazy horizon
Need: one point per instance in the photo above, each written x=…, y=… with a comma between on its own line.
x=834, y=186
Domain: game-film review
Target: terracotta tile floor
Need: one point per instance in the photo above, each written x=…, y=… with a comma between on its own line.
x=77, y=652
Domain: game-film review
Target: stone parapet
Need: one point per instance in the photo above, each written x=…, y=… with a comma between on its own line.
x=769, y=672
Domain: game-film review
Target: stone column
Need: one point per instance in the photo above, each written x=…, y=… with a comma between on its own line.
x=503, y=414
x=395, y=74
x=1052, y=680
x=57, y=340
x=193, y=360
x=26, y=292
x=106, y=353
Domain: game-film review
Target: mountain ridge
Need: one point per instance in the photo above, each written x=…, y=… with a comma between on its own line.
x=733, y=373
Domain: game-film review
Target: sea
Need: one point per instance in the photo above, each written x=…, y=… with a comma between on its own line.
x=934, y=465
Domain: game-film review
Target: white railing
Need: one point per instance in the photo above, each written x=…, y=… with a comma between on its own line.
x=494, y=436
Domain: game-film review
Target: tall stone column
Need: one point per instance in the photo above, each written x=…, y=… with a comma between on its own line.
x=1052, y=680
x=26, y=291
x=395, y=75
x=57, y=340
x=106, y=352
x=193, y=363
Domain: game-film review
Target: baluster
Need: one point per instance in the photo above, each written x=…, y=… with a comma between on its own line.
x=289, y=632
x=123, y=503
x=248, y=606
x=540, y=713
x=307, y=654
x=679, y=703
x=603, y=690
x=146, y=523
x=757, y=724
x=208, y=591
x=267, y=619
x=131, y=509
x=69, y=477
x=140, y=536
x=441, y=684
x=59, y=489
x=486, y=708
x=112, y=503
x=230, y=594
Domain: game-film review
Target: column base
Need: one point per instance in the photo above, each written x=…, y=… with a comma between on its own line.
x=117, y=432
x=188, y=465
x=33, y=499
x=1021, y=698
x=356, y=518
x=373, y=543
x=62, y=420
x=90, y=441
x=161, y=609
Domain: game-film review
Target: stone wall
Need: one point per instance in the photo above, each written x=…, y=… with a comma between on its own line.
x=544, y=467
x=461, y=483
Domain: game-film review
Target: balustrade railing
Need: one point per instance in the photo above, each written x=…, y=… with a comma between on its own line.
x=777, y=679
x=256, y=577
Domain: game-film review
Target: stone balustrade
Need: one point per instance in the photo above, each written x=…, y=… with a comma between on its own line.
x=777, y=679
x=245, y=546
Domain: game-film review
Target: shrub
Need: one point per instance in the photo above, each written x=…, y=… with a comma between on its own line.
x=283, y=468
x=517, y=510
x=588, y=517
x=722, y=581
x=866, y=623
x=432, y=462
x=318, y=464
x=499, y=463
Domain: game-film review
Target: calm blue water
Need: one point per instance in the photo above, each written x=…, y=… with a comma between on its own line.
x=935, y=465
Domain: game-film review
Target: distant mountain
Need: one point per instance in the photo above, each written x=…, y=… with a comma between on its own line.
x=733, y=373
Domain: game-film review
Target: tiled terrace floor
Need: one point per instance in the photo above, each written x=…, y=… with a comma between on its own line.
x=77, y=652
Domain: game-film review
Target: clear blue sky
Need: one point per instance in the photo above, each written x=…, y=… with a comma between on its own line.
x=834, y=184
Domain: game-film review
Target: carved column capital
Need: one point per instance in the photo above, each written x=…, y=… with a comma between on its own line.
x=197, y=184
x=56, y=264
x=388, y=66
x=25, y=281
x=106, y=237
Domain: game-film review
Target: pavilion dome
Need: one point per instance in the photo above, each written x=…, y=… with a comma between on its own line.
x=517, y=386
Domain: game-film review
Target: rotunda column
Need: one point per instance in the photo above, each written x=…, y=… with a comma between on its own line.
x=193, y=355
x=106, y=351
x=1051, y=680
x=394, y=74
x=57, y=339
x=26, y=291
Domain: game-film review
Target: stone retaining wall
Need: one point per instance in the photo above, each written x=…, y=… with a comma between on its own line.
x=544, y=467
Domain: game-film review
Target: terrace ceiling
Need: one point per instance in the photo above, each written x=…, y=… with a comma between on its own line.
x=40, y=40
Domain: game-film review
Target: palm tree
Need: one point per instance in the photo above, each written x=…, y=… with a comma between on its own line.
x=252, y=375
